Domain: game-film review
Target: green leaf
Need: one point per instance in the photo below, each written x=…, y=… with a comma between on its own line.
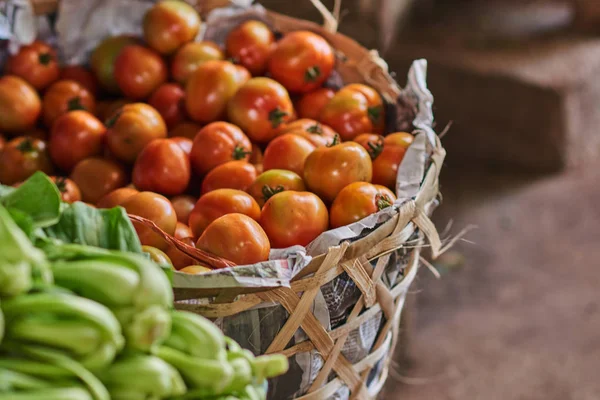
x=24, y=221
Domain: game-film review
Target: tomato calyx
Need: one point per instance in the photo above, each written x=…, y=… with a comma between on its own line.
x=276, y=117
x=75, y=104
x=268, y=191
x=240, y=153
x=26, y=146
x=233, y=60
x=113, y=120
x=383, y=201
x=375, y=149
x=45, y=58
x=312, y=74
x=336, y=140
x=316, y=129
x=61, y=184
x=374, y=114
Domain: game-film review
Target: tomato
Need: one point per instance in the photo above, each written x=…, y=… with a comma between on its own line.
x=185, y=129
x=403, y=139
x=2, y=142
x=231, y=175
x=312, y=103
x=20, y=105
x=21, y=157
x=195, y=269
x=69, y=191
x=182, y=231
x=185, y=144
x=157, y=209
x=183, y=205
x=36, y=63
x=162, y=167
x=218, y=143
x=302, y=61
x=293, y=218
x=357, y=201
x=116, y=197
x=274, y=181
x=355, y=109
x=210, y=88
x=191, y=56
x=259, y=107
x=288, y=152
x=75, y=136
x=109, y=108
x=256, y=157
x=96, y=177
x=328, y=170
x=178, y=257
x=36, y=133
x=318, y=134
x=65, y=96
x=139, y=71
x=370, y=142
x=170, y=24
x=237, y=238
x=131, y=128
x=251, y=45
x=81, y=75
x=158, y=256
x=103, y=59
x=169, y=101
x=218, y=203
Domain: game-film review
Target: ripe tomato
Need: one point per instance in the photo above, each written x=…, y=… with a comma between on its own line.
x=158, y=256
x=218, y=143
x=403, y=139
x=288, y=152
x=65, y=96
x=293, y=218
x=231, y=175
x=312, y=103
x=36, y=63
x=259, y=107
x=219, y=202
x=256, y=157
x=75, y=136
x=103, y=59
x=81, y=75
x=157, y=209
x=2, y=142
x=183, y=230
x=251, y=45
x=21, y=157
x=191, y=56
x=69, y=191
x=210, y=88
x=169, y=101
x=37, y=133
x=355, y=109
x=185, y=144
x=20, y=105
x=180, y=259
x=302, y=61
x=274, y=181
x=139, y=71
x=96, y=177
x=357, y=201
x=318, y=134
x=237, y=238
x=106, y=109
x=328, y=170
x=170, y=24
x=195, y=269
x=186, y=130
x=116, y=197
x=131, y=128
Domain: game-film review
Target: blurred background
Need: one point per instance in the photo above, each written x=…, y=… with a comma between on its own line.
x=516, y=312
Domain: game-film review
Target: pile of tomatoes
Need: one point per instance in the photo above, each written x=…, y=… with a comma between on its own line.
x=236, y=150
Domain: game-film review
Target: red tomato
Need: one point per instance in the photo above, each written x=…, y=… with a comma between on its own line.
x=328, y=170
x=191, y=56
x=162, y=167
x=218, y=143
x=37, y=133
x=293, y=218
x=274, y=181
x=260, y=107
x=183, y=206
x=65, y=96
x=182, y=231
x=170, y=24
x=81, y=75
x=75, y=136
x=210, y=88
x=96, y=177
x=139, y=71
x=357, y=201
x=2, y=142
x=106, y=109
x=178, y=258
x=403, y=139
x=116, y=197
x=312, y=103
x=186, y=130
x=157, y=209
x=69, y=191
x=219, y=202
x=131, y=128
x=231, y=175
x=256, y=157
x=302, y=61
x=237, y=238
x=169, y=101
x=21, y=157
x=36, y=63
x=318, y=134
x=289, y=152
x=251, y=45
x=185, y=144
x=103, y=59
x=20, y=105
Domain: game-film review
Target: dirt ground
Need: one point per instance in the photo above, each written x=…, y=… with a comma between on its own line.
x=520, y=317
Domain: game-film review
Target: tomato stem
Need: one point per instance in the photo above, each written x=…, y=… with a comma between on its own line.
x=75, y=104
x=269, y=192
x=312, y=74
x=45, y=58
x=382, y=201
x=316, y=128
x=374, y=114
x=61, y=184
x=375, y=149
x=26, y=146
x=276, y=117
x=113, y=120
x=335, y=141
x=240, y=153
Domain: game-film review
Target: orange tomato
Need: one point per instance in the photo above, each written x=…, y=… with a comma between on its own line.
x=195, y=269
x=69, y=191
x=36, y=63
x=191, y=56
x=237, y=238
x=64, y=96
x=116, y=197
x=302, y=61
x=103, y=59
x=97, y=177
x=170, y=24
x=157, y=209
x=185, y=129
x=403, y=139
x=183, y=205
x=169, y=101
x=357, y=201
x=185, y=144
x=21, y=157
x=293, y=218
x=312, y=103
x=2, y=142
x=288, y=152
x=139, y=71
x=231, y=175
x=251, y=44
x=318, y=134
x=260, y=107
x=182, y=231
x=179, y=258
x=81, y=75
x=20, y=105
x=274, y=181
x=106, y=109
x=219, y=202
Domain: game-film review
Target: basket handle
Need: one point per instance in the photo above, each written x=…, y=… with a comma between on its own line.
x=330, y=20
